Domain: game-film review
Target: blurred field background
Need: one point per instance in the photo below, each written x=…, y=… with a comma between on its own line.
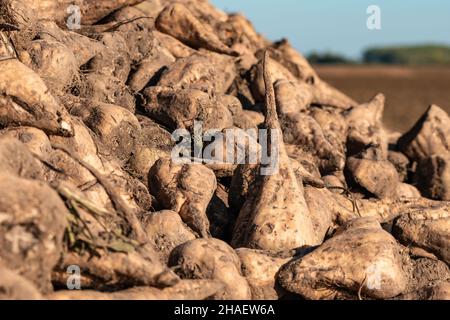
x=408, y=59
x=409, y=89
x=411, y=77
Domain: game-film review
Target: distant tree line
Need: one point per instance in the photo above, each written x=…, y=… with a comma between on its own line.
x=427, y=54
x=328, y=58
x=406, y=55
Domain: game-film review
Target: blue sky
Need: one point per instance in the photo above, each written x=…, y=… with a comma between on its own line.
x=340, y=25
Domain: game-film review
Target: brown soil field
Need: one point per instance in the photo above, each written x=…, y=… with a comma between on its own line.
x=409, y=90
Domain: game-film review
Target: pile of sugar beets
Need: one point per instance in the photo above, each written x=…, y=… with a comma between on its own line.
x=90, y=193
